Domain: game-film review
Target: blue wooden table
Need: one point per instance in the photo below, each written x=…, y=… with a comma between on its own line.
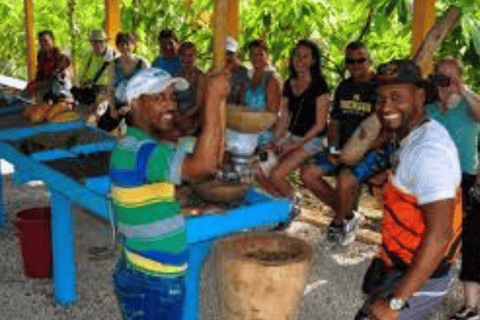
x=258, y=211
x=65, y=190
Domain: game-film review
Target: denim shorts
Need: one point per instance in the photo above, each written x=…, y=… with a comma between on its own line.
x=146, y=297
x=374, y=161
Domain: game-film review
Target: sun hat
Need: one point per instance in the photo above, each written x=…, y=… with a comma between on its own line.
x=98, y=35
x=399, y=71
x=152, y=81
x=230, y=44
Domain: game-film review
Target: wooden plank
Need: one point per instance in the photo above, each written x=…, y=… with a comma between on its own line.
x=232, y=18
x=219, y=55
x=423, y=20
x=30, y=38
x=437, y=34
x=113, y=23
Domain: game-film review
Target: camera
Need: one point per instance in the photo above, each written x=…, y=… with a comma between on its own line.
x=439, y=80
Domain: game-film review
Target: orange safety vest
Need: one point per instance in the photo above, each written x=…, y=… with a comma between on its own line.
x=404, y=228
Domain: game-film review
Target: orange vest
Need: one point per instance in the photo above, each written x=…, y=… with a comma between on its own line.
x=404, y=227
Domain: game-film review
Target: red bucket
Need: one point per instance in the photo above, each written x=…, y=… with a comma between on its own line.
x=33, y=227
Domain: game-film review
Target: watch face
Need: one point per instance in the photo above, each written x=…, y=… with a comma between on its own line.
x=396, y=304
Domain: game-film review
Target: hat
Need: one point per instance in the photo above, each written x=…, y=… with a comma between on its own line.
x=230, y=44
x=152, y=81
x=98, y=35
x=399, y=71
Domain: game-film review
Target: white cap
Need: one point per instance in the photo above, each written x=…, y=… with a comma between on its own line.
x=152, y=81
x=230, y=44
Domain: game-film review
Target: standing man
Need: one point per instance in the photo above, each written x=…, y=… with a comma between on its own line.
x=168, y=60
x=145, y=167
x=458, y=109
x=354, y=102
x=422, y=204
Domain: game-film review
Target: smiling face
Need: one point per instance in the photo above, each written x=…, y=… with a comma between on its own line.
x=302, y=59
x=188, y=57
x=46, y=42
x=168, y=47
x=98, y=46
x=357, y=63
x=446, y=92
x=399, y=106
x=125, y=47
x=157, y=112
x=258, y=57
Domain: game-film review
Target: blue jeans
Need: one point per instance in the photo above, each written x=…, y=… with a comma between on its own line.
x=372, y=162
x=145, y=297
x=421, y=304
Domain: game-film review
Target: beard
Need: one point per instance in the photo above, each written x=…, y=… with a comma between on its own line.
x=453, y=101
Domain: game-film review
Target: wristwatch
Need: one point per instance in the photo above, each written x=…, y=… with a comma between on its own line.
x=397, y=304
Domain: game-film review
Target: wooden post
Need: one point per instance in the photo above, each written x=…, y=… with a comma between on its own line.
x=219, y=54
x=113, y=21
x=232, y=18
x=423, y=20
x=30, y=37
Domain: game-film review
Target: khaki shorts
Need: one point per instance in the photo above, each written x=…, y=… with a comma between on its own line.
x=312, y=146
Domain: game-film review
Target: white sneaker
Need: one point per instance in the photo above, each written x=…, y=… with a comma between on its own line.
x=350, y=228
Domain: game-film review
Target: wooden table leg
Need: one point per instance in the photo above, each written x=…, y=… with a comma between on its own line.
x=3, y=216
x=63, y=250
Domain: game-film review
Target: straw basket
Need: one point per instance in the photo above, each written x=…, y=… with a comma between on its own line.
x=246, y=121
x=262, y=276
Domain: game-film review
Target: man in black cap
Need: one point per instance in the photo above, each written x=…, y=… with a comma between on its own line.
x=422, y=204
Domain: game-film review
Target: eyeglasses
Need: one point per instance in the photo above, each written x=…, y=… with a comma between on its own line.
x=353, y=61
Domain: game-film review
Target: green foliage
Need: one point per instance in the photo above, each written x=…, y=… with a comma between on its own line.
x=384, y=25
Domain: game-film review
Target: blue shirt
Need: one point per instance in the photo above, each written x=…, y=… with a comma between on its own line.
x=172, y=66
x=464, y=131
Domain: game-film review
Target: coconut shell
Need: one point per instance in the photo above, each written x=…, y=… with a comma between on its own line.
x=219, y=191
x=247, y=121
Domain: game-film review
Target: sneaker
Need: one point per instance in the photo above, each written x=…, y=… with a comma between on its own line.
x=350, y=228
x=466, y=313
x=334, y=236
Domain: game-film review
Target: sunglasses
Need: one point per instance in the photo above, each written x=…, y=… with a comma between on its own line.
x=353, y=61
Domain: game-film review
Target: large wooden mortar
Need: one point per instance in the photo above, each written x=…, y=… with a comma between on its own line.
x=262, y=276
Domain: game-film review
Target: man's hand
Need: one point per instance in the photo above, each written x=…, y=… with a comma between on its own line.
x=380, y=310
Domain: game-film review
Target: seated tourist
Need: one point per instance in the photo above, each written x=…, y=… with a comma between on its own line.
x=301, y=131
x=239, y=78
x=125, y=68
x=53, y=67
x=145, y=167
x=263, y=90
x=354, y=102
x=97, y=71
x=190, y=101
x=168, y=60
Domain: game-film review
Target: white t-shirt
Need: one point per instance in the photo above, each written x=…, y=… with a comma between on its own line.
x=429, y=166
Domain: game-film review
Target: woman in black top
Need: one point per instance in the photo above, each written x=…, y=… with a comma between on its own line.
x=301, y=131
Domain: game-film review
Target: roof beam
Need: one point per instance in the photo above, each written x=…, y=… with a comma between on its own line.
x=423, y=20
x=113, y=22
x=30, y=37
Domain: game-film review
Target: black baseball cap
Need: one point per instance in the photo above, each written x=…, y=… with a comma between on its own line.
x=399, y=71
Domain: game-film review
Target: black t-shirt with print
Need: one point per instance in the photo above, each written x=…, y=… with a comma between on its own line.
x=352, y=104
